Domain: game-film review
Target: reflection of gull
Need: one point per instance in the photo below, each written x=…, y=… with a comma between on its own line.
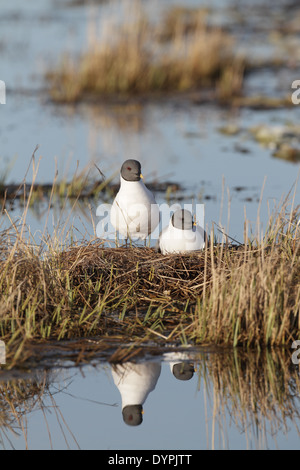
x=181, y=235
x=181, y=367
x=182, y=370
x=135, y=382
x=134, y=212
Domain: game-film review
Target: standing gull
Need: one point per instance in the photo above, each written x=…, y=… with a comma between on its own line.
x=182, y=234
x=134, y=213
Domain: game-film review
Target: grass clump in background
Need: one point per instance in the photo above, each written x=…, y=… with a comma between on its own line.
x=181, y=53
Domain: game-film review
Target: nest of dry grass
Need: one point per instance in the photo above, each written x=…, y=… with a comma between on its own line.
x=149, y=275
x=247, y=295
x=224, y=294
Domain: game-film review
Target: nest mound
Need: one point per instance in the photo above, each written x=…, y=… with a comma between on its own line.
x=145, y=273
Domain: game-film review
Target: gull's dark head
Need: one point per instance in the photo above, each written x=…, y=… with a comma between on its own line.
x=131, y=170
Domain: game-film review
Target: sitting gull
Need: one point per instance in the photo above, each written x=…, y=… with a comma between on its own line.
x=182, y=234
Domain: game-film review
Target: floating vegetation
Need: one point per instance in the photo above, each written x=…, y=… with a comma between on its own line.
x=274, y=135
x=262, y=102
x=284, y=140
x=230, y=130
x=288, y=152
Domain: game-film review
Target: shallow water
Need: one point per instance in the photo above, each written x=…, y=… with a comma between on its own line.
x=215, y=408
x=178, y=143
x=175, y=140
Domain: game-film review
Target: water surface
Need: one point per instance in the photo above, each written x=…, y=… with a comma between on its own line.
x=230, y=401
x=176, y=140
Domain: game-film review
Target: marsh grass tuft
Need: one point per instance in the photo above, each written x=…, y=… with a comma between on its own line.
x=58, y=288
x=84, y=185
x=181, y=53
x=247, y=295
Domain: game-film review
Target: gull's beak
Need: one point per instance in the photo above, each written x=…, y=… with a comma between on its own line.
x=141, y=176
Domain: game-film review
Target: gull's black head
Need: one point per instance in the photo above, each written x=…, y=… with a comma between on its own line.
x=131, y=170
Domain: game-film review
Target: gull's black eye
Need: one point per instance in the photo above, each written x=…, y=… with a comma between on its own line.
x=129, y=168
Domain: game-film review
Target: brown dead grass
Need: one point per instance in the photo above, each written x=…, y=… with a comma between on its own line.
x=180, y=54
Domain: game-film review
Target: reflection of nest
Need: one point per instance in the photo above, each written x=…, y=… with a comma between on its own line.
x=256, y=389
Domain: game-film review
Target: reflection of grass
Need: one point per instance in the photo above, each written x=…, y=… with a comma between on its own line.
x=18, y=398
x=134, y=60
x=256, y=392
x=259, y=391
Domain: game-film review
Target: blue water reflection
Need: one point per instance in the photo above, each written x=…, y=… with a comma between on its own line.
x=176, y=401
